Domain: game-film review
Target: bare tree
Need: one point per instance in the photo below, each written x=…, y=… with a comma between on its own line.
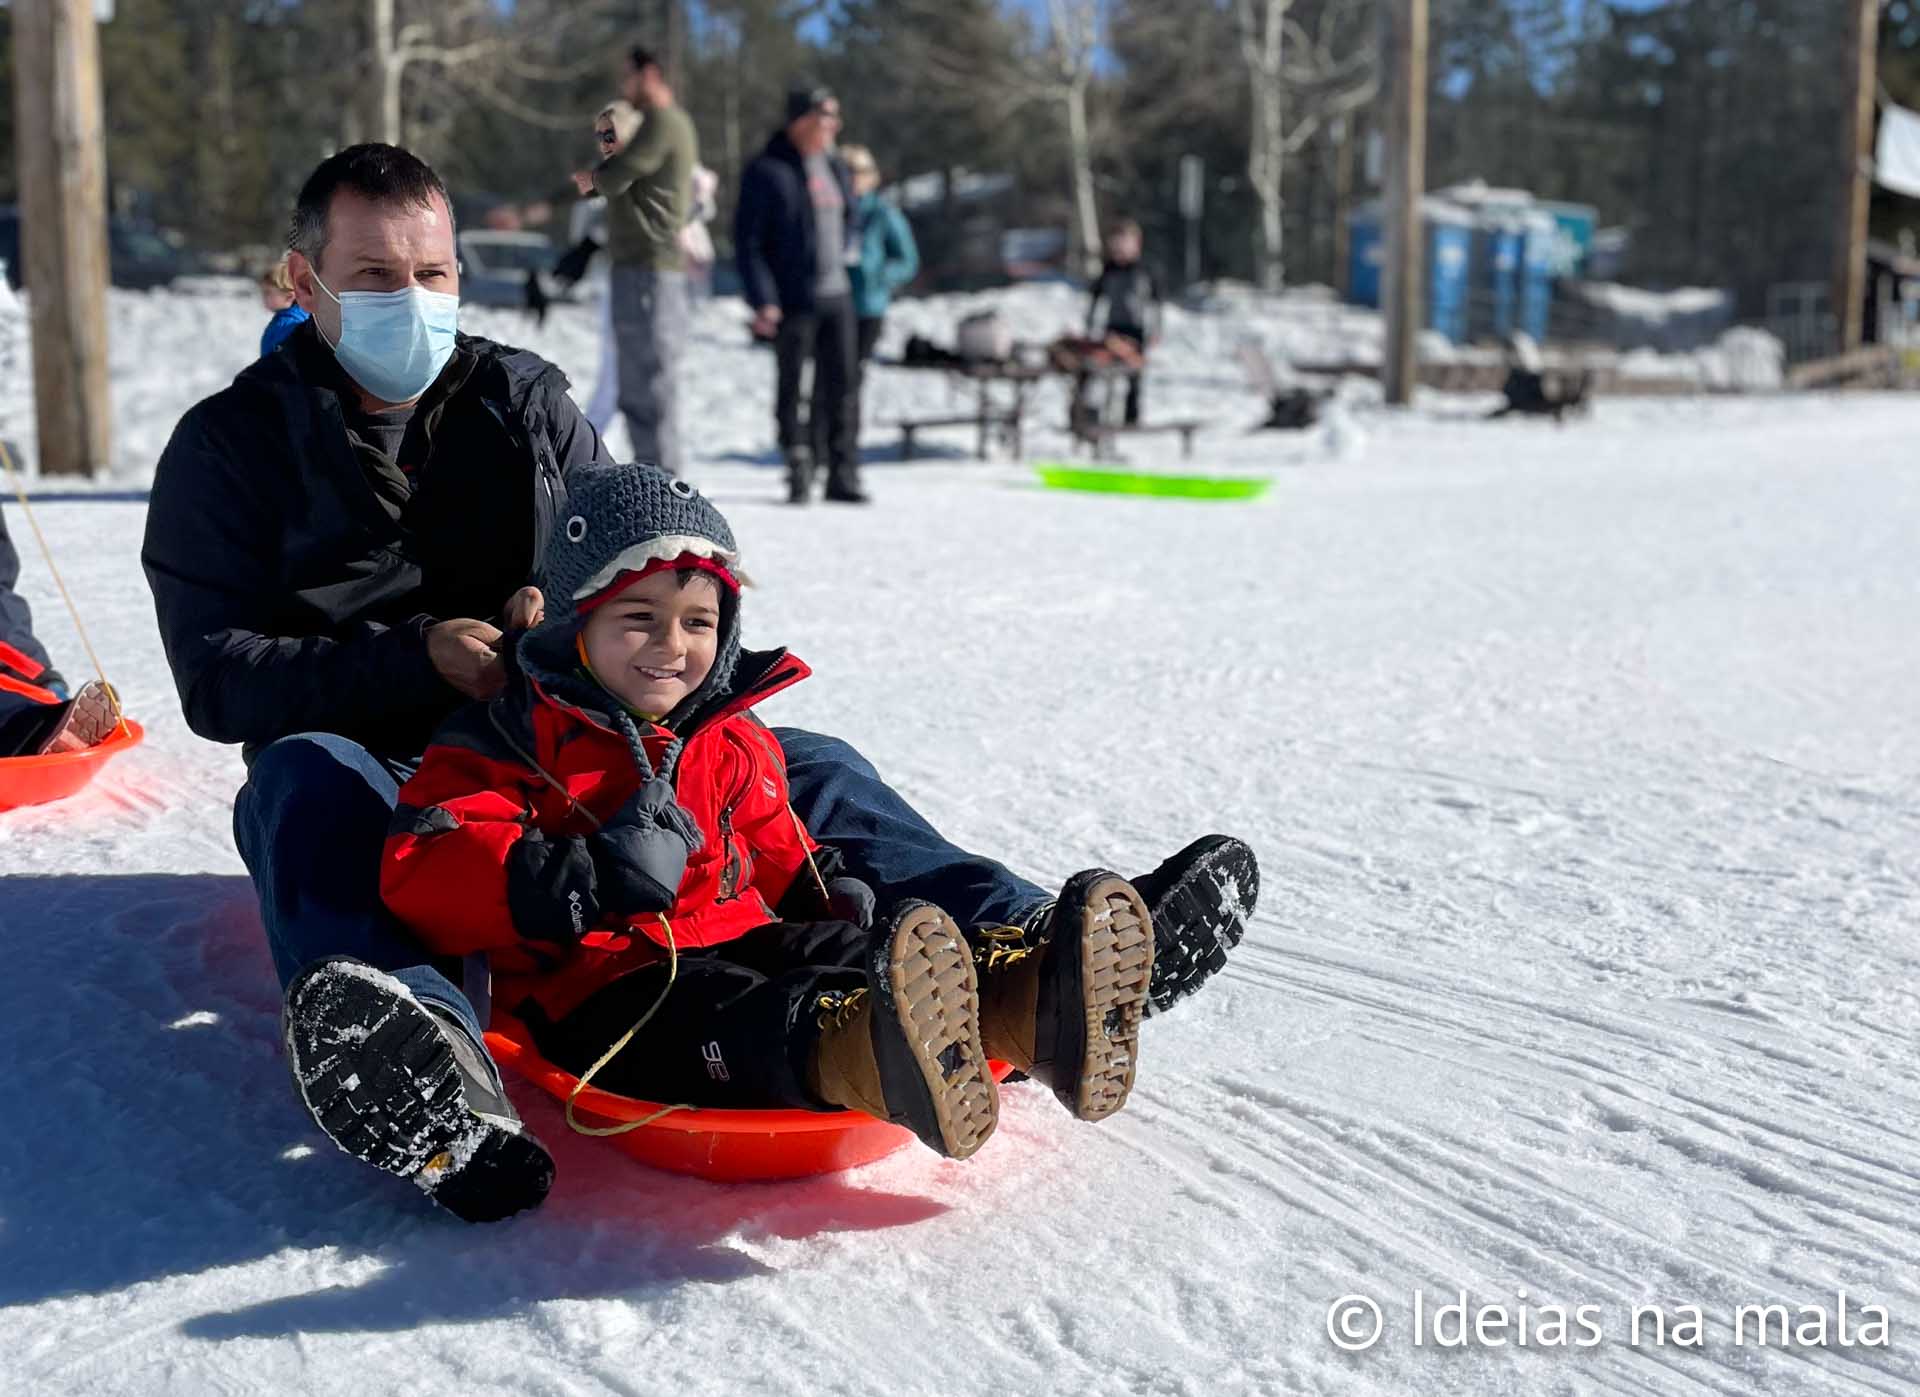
x=977, y=60
x=1075, y=28
x=1332, y=69
x=480, y=53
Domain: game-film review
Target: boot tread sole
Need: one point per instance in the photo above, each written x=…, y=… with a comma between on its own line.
x=381, y=1082
x=1116, y=968
x=936, y=1003
x=1210, y=904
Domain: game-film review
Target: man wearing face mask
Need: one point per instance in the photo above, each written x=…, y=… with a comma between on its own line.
x=336, y=544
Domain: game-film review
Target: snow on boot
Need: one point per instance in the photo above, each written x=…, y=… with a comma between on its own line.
x=1066, y=1011
x=907, y=1048
x=399, y=1086
x=1201, y=900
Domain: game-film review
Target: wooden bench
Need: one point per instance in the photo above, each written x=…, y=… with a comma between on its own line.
x=1005, y=421
x=1100, y=435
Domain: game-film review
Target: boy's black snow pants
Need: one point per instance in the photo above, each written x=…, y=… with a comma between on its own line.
x=736, y=1030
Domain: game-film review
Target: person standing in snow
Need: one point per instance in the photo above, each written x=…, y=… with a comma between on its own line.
x=276, y=296
x=679, y=888
x=793, y=237
x=695, y=241
x=889, y=259
x=648, y=184
x=616, y=124
x=339, y=546
x=1126, y=292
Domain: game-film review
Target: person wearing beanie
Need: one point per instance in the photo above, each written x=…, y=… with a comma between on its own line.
x=614, y=833
x=328, y=634
x=794, y=236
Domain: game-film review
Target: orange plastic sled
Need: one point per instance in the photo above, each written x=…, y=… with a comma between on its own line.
x=725, y=1146
x=37, y=780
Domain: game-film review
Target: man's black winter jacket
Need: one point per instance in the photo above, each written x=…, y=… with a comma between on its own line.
x=774, y=239
x=290, y=598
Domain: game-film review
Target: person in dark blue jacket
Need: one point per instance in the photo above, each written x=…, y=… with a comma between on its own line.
x=794, y=237
x=276, y=295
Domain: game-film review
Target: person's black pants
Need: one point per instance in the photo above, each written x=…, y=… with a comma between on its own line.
x=736, y=1030
x=866, y=335
x=826, y=335
x=1138, y=336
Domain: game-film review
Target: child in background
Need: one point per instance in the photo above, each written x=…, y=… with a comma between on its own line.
x=614, y=833
x=1127, y=290
x=276, y=295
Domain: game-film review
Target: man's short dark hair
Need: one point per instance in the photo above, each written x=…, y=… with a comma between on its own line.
x=643, y=59
x=382, y=174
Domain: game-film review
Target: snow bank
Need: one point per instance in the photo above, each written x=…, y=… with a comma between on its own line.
x=171, y=347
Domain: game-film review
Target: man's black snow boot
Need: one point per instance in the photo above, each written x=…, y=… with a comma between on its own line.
x=907, y=1048
x=1063, y=1002
x=799, y=474
x=406, y=1089
x=1201, y=900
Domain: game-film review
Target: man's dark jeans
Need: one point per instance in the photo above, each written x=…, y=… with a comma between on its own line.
x=312, y=819
x=828, y=336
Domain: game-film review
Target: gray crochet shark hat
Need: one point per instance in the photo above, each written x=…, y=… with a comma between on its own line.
x=617, y=520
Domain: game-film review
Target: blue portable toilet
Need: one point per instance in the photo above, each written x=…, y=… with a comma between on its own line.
x=1576, y=224
x=1493, y=278
x=1448, y=244
x=1366, y=255
x=1449, y=257
x=1540, y=252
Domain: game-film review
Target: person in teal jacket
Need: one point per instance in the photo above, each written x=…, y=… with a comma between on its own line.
x=888, y=257
x=887, y=260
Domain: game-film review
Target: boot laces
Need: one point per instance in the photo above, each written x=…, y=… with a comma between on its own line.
x=836, y=1008
x=1005, y=946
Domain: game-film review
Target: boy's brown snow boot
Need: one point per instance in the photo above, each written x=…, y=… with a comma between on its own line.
x=1063, y=1001
x=907, y=1048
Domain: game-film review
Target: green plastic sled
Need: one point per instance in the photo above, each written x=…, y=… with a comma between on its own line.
x=1059, y=476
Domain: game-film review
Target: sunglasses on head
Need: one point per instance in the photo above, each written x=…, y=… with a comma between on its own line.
x=607, y=138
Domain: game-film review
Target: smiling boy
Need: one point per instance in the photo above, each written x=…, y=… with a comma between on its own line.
x=614, y=833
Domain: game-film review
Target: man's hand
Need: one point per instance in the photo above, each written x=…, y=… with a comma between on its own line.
x=766, y=320
x=524, y=610
x=463, y=652
x=583, y=181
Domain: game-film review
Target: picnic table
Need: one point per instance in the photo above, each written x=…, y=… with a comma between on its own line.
x=1002, y=393
x=1001, y=389
x=1103, y=436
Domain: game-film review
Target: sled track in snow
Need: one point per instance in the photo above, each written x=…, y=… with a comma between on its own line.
x=1812, y=1178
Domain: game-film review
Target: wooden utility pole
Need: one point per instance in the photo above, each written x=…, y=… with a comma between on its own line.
x=59, y=144
x=1344, y=129
x=1856, y=154
x=1406, y=140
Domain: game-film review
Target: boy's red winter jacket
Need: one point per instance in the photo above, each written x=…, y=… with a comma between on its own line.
x=446, y=871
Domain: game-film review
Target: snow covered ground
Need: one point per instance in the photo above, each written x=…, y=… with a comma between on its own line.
x=1584, y=765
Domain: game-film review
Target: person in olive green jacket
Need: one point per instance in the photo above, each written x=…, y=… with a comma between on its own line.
x=648, y=184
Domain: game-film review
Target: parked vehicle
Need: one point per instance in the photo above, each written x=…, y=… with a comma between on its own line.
x=495, y=266
x=140, y=259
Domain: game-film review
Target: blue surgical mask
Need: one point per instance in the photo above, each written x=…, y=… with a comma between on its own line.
x=394, y=343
